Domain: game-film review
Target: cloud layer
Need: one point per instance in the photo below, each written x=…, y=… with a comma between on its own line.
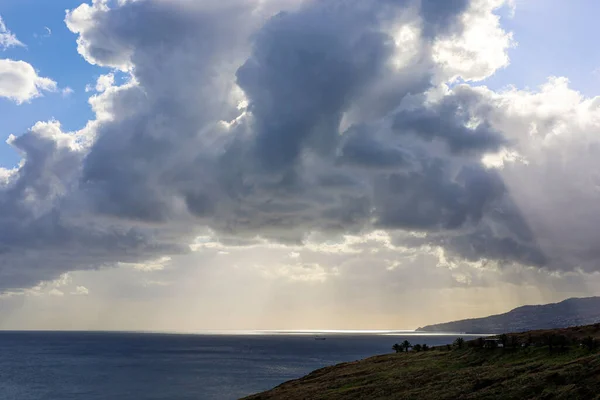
x=281, y=120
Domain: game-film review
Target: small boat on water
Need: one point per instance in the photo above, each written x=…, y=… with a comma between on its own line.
x=319, y=338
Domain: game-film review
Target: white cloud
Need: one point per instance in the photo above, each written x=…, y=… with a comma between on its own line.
x=80, y=291
x=300, y=272
x=66, y=92
x=481, y=49
x=63, y=280
x=150, y=266
x=7, y=39
x=105, y=82
x=20, y=82
x=81, y=20
x=55, y=292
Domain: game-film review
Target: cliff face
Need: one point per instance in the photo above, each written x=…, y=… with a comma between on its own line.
x=571, y=312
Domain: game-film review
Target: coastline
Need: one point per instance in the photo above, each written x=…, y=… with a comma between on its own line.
x=549, y=364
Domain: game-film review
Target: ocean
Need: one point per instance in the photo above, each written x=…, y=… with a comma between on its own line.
x=143, y=366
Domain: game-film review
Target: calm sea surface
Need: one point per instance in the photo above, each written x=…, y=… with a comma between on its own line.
x=63, y=366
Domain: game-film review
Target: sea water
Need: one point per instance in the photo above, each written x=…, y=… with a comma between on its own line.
x=115, y=366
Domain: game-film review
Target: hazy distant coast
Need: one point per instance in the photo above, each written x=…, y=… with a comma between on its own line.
x=570, y=312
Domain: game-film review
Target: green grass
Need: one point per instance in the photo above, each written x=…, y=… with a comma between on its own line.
x=469, y=373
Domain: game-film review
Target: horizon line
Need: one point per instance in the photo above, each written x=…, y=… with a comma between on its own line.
x=251, y=332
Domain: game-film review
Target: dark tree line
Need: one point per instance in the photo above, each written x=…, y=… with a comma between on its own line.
x=406, y=345
x=553, y=341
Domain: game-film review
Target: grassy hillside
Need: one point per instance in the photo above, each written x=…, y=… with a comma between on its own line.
x=533, y=372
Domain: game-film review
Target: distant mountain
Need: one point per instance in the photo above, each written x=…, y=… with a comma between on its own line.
x=570, y=312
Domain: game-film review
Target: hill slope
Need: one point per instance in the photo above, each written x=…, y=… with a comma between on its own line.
x=469, y=373
x=571, y=312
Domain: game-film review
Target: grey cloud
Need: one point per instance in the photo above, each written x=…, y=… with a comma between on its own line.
x=442, y=16
x=484, y=243
x=447, y=121
x=136, y=165
x=360, y=149
x=305, y=70
x=42, y=234
x=432, y=199
x=310, y=66
x=163, y=165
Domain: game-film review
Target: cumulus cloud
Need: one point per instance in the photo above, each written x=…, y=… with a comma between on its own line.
x=20, y=82
x=284, y=121
x=480, y=48
x=7, y=38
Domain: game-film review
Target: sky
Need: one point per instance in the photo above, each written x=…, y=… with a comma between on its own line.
x=183, y=166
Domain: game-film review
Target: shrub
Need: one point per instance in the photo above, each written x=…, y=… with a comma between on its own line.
x=590, y=343
x=459, y=342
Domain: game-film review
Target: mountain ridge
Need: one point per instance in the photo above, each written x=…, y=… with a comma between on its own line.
x=570, y=312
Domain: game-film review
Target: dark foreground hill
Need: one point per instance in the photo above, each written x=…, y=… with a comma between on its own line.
x=571, y=312
x=565, y=371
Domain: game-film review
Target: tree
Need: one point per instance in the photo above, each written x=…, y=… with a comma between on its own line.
x=589, y=343
x=562, y=341
x=397, y=348
x=424, y=347
x=406, y=345
x=459, y=342
x=417, y=347
x=550, y=340
x=529, y=340
x=514, y=342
